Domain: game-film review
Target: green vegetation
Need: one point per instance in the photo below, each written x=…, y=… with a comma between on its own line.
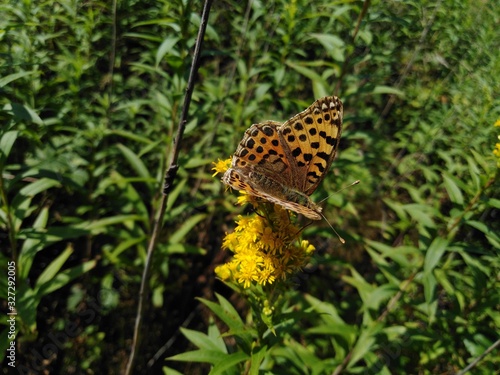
x=90, y=101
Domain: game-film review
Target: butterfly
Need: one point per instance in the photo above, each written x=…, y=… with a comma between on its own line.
x=284, y=163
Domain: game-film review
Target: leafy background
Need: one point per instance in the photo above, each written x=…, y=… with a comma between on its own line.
x=91, y=95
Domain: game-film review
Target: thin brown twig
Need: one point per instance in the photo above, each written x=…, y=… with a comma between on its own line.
x=168, y=183
x=478, y=359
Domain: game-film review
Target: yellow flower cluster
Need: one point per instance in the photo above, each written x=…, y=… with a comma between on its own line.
x=265, y=250
x=496, y=151
x=266, y=247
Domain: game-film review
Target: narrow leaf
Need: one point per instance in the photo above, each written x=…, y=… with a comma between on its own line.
x=452, y=189
x=205, y=356
x=228, y=363
x=6, y=143
x=434, y=253
x=201, y=340
x=134, y=161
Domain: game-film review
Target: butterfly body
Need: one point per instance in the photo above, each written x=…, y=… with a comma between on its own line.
x=284, y=163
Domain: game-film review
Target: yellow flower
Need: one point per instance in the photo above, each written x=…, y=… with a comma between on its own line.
x=221, y=166
x=496, y=151
x=223, y=271
x=265, y=245
x=308, y=248
x=245, y=198
x=265, y=249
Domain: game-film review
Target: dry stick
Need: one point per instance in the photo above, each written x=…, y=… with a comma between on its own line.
x=168, y=183
x=478, y=359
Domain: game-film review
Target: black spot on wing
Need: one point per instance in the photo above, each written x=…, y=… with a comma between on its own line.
x=296, y=152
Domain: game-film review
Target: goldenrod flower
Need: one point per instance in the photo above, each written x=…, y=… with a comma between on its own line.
x=265, y=249
x=221, y=166
x=265, y=245
x=496, y=150
x=223, y=271
x=245, y=198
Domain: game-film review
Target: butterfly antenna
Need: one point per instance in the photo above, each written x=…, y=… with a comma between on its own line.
x=304, y=227
x=338, y=191
x=331, y=226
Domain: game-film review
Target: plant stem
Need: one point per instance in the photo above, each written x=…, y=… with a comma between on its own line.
x=169, y=179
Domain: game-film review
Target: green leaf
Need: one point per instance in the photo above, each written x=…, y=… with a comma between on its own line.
x=494, y=202
x=380, y=295
x=52, y=234
x=170, y=371
x=12, y=77
x=167, y=46
x=38, y=186
x=22, y=112
x=365, y=343
x=388, y=90
x=228, y=314
x=364, y=288
x=306, y=72
x=421, y=213
x=204, y=356
x=334, y=45
x=452, y=188
x=201, y=340
x=492, y=236
x=398, y=208
x=258, y=355
x=345, y=331
x=135, y=162
x=230, y=317
x=31, y=246
x=434, y=253
x=50, y=272
x=63, y=278
x=27, y=304
x=294, y=355
x=228, y=363
x=215, y=335
x=6, y=143
x=327, y=311
x=183, y=248
x=186, y=227
x=131, y=136
x=102, y=225
x=125, y=244
x=429, y=281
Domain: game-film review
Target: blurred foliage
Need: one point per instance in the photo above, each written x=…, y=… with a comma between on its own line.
x=90, y=97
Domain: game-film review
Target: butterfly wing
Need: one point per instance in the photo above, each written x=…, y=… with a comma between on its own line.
x=310, y=140
x=284, y=163
x=261, y=151
x=239, y=179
